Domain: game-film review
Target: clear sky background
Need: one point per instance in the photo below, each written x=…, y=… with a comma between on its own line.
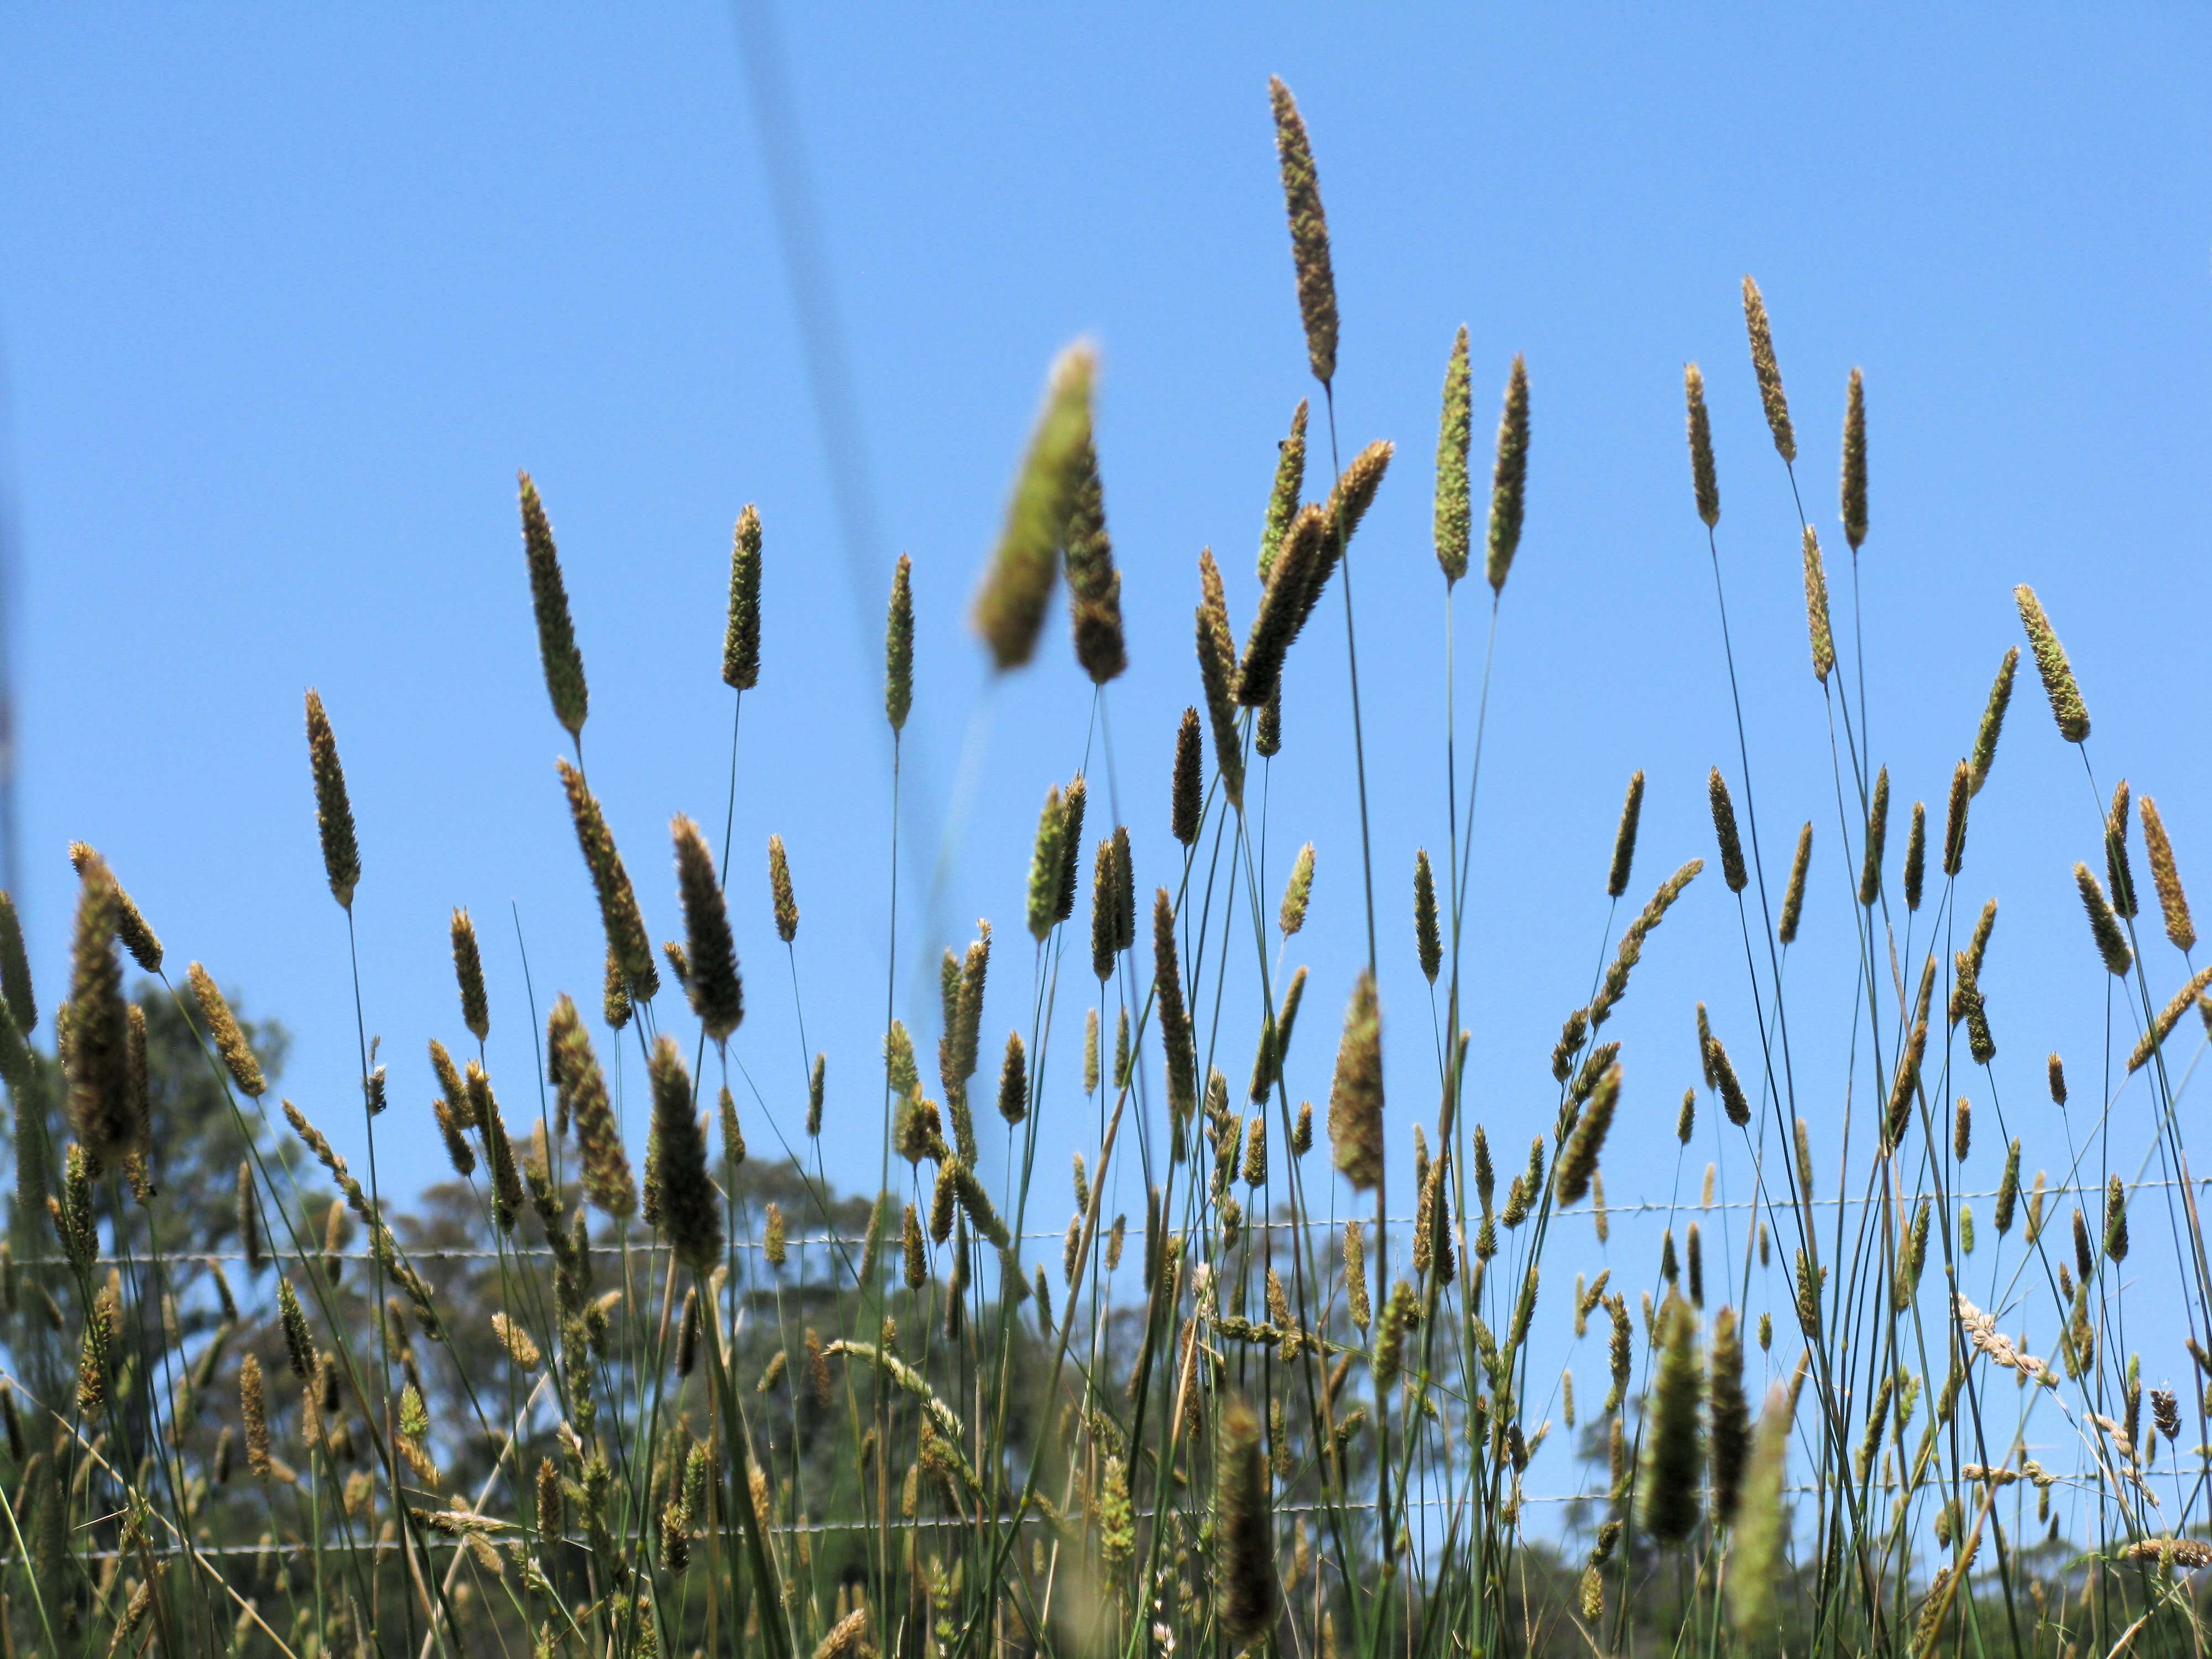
x=287, y=297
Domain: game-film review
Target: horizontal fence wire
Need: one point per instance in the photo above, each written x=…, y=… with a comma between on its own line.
x=857, y=1240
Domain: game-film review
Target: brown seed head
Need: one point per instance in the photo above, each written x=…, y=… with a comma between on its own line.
x=2165, y=877
x=1732, y=867
x=1308, y=233
x=898, y=647
x=468, y=972
x=2058, y=683
x=741, y=640
x=1455, y=439
x=1704, y=482
x=690, y=1209
x=1094, y=586
x=716, y=991
x=1010, y=607
x=1355, y=1097
x=779, y=883
x=1855, y=472
x=1793, y=897
x=1508, y=477
x=556, y=635
x=1768, y=371
x=624, y=924
x=333, y=812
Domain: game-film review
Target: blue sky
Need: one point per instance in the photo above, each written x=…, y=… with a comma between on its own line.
x=286, y=298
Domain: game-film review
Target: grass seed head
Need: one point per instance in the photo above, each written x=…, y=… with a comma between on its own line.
x=1455, y=439
x=1704, y=482
x=898, y=647
x=1010, y=607
x=223, y=1029
x=1624, y=838
x=1793, y=896
x=780, y=892
x=1768, y=371
x=556, y=635
x=1427, y=938
x=1816, y=610
x=1855, y=462
x=1283, y=498
x=95, y=1057
x=2058, y=683
x=468, y=973
x=691, y=1210
x=1355, y=1096
x=1992, y=724
x=2103, y=927
x=1251, y=1597
x=1094, y=586
x=741, y=639
x=1308, y=233
x=623, y=923
x=1732, y=868
x=1916, y=855
x=715, y=989
x=1877, y=840
x=1508, y=477
x=2165, y=878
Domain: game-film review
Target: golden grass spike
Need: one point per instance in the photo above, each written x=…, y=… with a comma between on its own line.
x=556, y=635
x=333, y=812
x=1250, y=1596
x=1186, y=794
x=2009, y=1189
x=1010, y=607
x=1297, y=892
x=1674, y=1443
x=1877, y=840
x=741, y=640
x=468, y=973
x=1768, y=371
x=1756, y=1551
x=1624, y=838
x=1816, y=610
x=615, y=1003
x=1731, y=1417
x=1731, y=844
x=230, y=1043
x=2104, y=925
x=1427, y=938
x=1176, y=1039
x=1297, y=573
x=1455, y=439
x=1793, y=896
x=95, y=1057
x=1355, y=1275
x=1579, y=1161
x=2117, y=869
x=715, y=989
x=1094, y=586
x=1014, y=1081
x=898, y=647
x=2116, y=1220
x=780, y=892
x=1283, y=499
x=130, y=927
x=1508, y=482
x=1855, y=462
x=583, y=1089
x=2165, y=878
x=1704, y=482
x=2161, y=1027
x=2058, y=683
x=1073, y=805
x=1218, y=672
x=1308, y=233
x=1355, y=1096
x=623, y=923
x=1916, y=855
x=253, y=1414
x=1104, y=902
x=1992, y=723
x=691, y=1210
x=1954, y=819
x=15, y=970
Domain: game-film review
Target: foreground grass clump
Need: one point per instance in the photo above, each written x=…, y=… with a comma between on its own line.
x=573, y=1404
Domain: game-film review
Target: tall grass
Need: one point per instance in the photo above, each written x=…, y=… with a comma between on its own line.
x=573, y=1406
